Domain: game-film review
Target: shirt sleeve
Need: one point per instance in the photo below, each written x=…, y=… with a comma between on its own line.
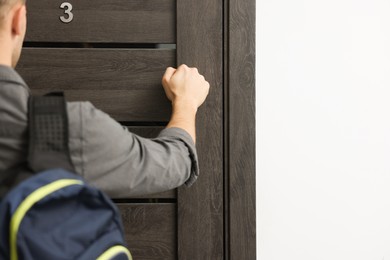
x=124, y=164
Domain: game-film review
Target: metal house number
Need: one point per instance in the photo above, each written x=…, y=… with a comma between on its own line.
x=68, y=11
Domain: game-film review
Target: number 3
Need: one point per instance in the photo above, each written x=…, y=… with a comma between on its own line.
x=68, y=10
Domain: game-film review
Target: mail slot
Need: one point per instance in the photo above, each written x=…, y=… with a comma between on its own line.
x=121, y=21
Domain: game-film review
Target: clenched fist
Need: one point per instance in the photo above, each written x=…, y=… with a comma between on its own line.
x=187, y=90
x=185, y=84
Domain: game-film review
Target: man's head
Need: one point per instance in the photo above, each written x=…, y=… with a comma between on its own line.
x=12, y=30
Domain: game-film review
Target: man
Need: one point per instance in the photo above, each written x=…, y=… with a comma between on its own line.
x=102, y=151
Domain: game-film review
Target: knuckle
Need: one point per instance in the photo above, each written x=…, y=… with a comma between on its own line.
x=183, y=66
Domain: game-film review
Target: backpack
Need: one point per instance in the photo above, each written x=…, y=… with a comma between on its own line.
x=55, y=214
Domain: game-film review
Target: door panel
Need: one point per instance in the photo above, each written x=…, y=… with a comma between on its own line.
x=95, y=68
x=118, y=81
x=150, y=230
x=123, y=105
x=142, y=21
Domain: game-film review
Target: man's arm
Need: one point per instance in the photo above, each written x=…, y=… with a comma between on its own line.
x=123, y=164
x=187, y=90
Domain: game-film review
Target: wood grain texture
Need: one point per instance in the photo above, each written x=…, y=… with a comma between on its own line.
x=144, y=21
x=199, y=44
x=124, y=83
x=241, y=123
x=150, y=230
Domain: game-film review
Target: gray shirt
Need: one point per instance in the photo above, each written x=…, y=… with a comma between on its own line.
x=105, y=153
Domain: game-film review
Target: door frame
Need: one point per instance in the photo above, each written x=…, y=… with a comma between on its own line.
x=240, y=130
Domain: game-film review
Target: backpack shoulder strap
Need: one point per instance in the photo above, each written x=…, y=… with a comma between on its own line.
x=48, y=133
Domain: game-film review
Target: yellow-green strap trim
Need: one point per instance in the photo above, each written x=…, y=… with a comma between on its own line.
x=113, y=251
x=28, y=203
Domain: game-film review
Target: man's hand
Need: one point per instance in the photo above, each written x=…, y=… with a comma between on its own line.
x=187, y=90
x=185, y=84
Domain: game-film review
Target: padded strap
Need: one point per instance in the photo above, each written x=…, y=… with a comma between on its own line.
x=48, y=133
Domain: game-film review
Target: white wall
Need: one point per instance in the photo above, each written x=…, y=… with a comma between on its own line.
x=323, y=129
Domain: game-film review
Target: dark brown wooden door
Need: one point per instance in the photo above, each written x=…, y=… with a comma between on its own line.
x=114, y=53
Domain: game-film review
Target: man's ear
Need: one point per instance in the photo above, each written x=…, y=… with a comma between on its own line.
x=19, y=20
